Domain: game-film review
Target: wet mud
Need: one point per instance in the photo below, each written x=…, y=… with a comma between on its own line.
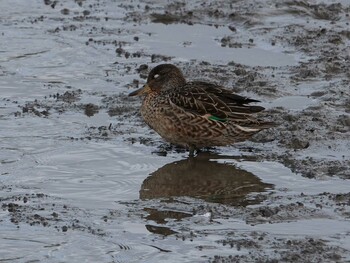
x=82, y=176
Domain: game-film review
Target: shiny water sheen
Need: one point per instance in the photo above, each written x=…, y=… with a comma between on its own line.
x=171, y=40
x=98, y=178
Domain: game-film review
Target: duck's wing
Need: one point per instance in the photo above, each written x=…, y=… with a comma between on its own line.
x=205, y=98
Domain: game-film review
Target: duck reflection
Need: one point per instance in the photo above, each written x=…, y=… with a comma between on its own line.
x=203, y=177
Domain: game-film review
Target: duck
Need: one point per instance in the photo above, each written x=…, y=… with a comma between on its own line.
x=196, y=114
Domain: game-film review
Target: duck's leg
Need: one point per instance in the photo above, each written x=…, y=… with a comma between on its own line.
x=191, y=154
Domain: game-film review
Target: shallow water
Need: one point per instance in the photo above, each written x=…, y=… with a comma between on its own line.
x=95, y=178
x=202, y=42
x=292, y=102
x=122, y=203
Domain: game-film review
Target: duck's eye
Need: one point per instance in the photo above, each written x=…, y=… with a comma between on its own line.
x=156, y=76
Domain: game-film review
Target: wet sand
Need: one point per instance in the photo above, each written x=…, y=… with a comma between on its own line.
x=83, y=178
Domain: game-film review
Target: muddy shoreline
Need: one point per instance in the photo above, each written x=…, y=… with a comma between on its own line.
x=81, y=174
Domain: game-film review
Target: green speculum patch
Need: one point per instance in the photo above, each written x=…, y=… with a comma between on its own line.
x=214, y=118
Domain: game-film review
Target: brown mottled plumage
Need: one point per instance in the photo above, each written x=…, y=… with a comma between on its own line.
x=196, y=114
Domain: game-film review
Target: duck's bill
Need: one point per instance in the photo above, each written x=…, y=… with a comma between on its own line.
x=139, y=92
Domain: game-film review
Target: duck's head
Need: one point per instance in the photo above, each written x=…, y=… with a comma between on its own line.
x=162, y=77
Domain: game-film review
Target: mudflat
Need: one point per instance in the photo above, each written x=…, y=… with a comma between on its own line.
x=82, y=178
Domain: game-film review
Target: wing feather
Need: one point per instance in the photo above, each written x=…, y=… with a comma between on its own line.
x=205, y=98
